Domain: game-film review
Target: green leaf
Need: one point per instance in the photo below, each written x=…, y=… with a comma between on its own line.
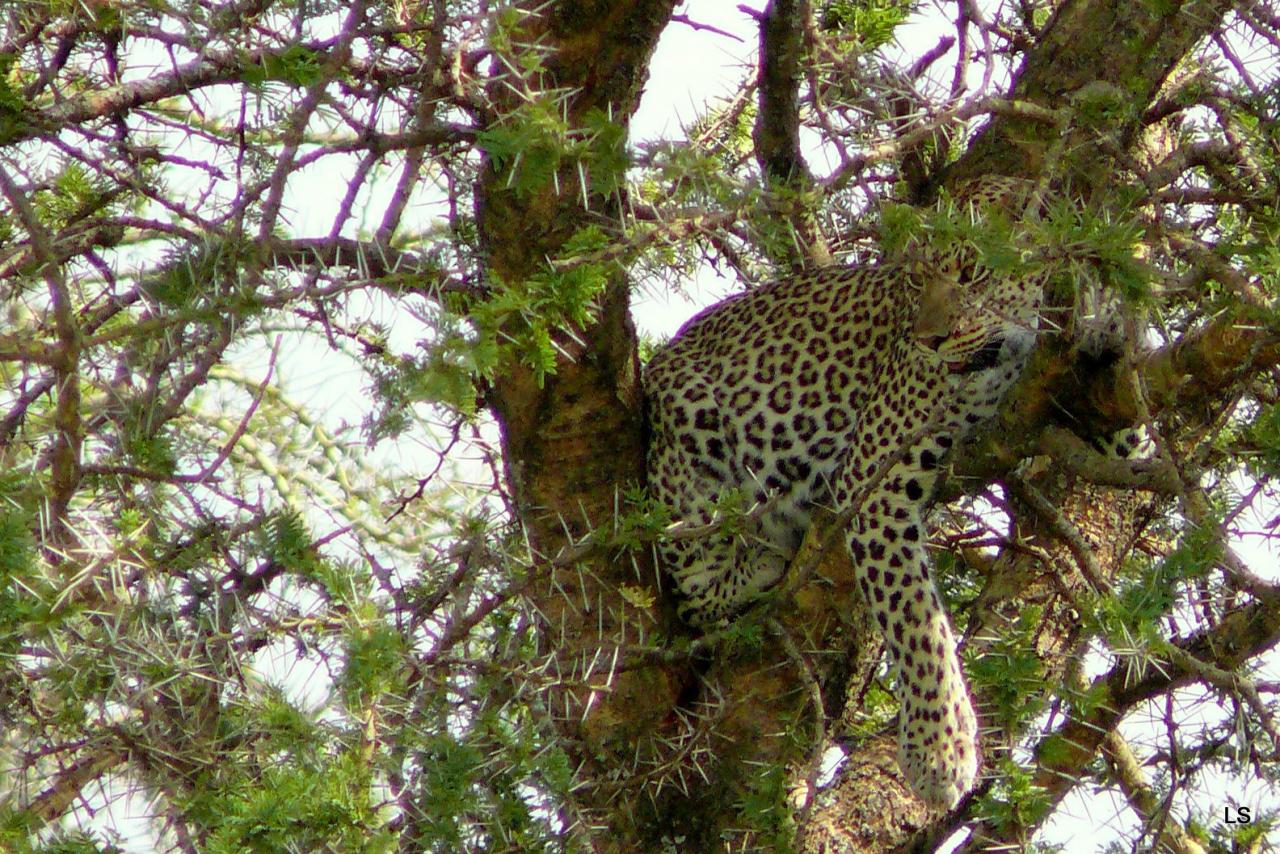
x=296, y=65
x=1010, y=673
x=1014, y=800
x=900, y=225
x=869, y=23
x=1264, y=433
x=373, y=660
x=17, y=546
x=449, y=769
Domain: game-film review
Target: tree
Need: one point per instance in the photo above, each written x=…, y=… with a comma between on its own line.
x=247, y=616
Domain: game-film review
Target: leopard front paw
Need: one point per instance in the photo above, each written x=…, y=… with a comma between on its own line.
x=1130, y=443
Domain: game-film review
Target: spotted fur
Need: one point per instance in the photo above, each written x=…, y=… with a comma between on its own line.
x=793, y=395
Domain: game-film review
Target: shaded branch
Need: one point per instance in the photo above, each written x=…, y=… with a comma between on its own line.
x=53, y=802
x=65, y=456
x=777, y=128
x=1077, y=52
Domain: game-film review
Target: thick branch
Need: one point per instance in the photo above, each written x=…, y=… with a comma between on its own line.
x=1193, y=376
x=777, y=129
x=65, y=460
x=573, y=441
x=54, y=801
x=1169, y=835
x=1096, y=46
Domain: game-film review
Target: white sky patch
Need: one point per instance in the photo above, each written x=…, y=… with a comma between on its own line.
x=690, y=68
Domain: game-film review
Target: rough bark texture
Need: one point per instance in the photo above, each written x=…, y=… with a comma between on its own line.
x=1115, y=53
x=575, y=442
x=777, y=131
x=776, y=134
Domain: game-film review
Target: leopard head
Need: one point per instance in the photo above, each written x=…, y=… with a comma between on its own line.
x=972, y=316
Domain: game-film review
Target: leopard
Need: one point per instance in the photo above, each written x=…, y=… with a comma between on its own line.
x=846, y=386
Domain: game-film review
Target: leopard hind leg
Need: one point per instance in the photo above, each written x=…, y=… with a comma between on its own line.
x=718, y=573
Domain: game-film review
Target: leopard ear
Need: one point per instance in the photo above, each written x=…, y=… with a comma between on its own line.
x=1019, y=198
x=935, y=310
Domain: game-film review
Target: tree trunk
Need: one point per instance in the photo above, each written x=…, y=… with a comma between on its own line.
x=575, y=442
